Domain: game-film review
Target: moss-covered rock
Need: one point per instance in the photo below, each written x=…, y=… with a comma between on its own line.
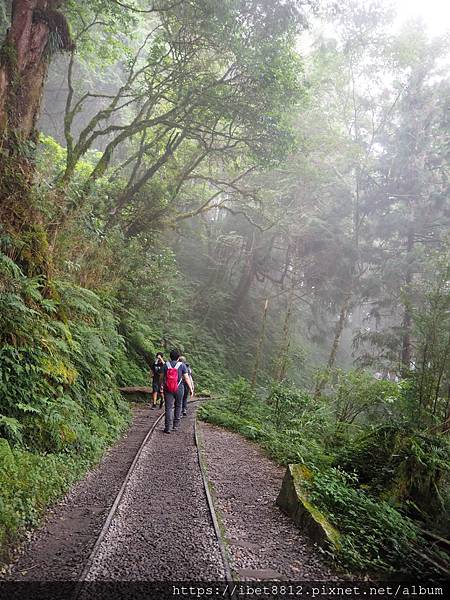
x=294, y=501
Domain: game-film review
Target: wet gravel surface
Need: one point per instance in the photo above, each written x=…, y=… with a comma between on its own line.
x=262, y=542
x=57, y=550
x=162, y=529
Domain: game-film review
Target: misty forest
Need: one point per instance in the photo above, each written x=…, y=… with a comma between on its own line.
x=264, y=185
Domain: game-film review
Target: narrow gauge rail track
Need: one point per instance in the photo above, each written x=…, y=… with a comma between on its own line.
x=84, y=577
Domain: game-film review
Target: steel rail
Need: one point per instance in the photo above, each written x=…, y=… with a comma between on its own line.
x=112, y=511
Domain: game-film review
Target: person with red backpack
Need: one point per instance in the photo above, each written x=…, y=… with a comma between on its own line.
x=175, y=374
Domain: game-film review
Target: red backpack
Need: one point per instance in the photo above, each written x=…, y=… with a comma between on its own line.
x=172, y=382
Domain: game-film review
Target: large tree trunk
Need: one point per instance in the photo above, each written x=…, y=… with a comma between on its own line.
x=22, y=71
x=407, y=317
x=338, y=331
x=25, y=56
x=260, y=343
x=282, y=361
x=321, y=381
x=248, y=274
x=37, y=29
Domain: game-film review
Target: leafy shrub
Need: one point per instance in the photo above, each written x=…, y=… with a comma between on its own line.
x=288, y=404
x=255, y=421
x=374, y=536
x=241, y=394
x=401, y=465
x=356, y=394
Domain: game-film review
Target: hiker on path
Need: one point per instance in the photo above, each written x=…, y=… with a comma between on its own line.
x=175, y=376
x=186, y=392
x=157, y=375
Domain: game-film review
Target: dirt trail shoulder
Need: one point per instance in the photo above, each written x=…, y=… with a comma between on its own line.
x=263, y=543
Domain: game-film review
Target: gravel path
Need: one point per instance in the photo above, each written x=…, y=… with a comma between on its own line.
x=263, y=543
x=162, y=529
x=58, y=549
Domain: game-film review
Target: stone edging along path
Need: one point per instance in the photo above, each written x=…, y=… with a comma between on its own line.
x=262, y=543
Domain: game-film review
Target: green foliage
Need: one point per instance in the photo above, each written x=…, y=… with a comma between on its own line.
x=294, y=437
x=130, y=371
x=429, y=386
x=119, y=217
x=288, y=404
x=374, y=536
x=367, y=481
x=402, y=465
x=30, y=482
x=223, y=413
x=358, y=395
x=59, y=406
x=105, y=42
x=12, y=429
x=241, y=394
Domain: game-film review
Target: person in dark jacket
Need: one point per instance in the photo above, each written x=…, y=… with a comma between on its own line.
x=174, y=400
x=186, y=393
x=157, y=375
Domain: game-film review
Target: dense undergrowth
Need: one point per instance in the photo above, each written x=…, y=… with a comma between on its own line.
x=67, y=343
x=65, y=351
x=378, y=478
x=59, y=401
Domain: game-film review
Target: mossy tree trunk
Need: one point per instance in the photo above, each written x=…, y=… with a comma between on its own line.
x=37, y=30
